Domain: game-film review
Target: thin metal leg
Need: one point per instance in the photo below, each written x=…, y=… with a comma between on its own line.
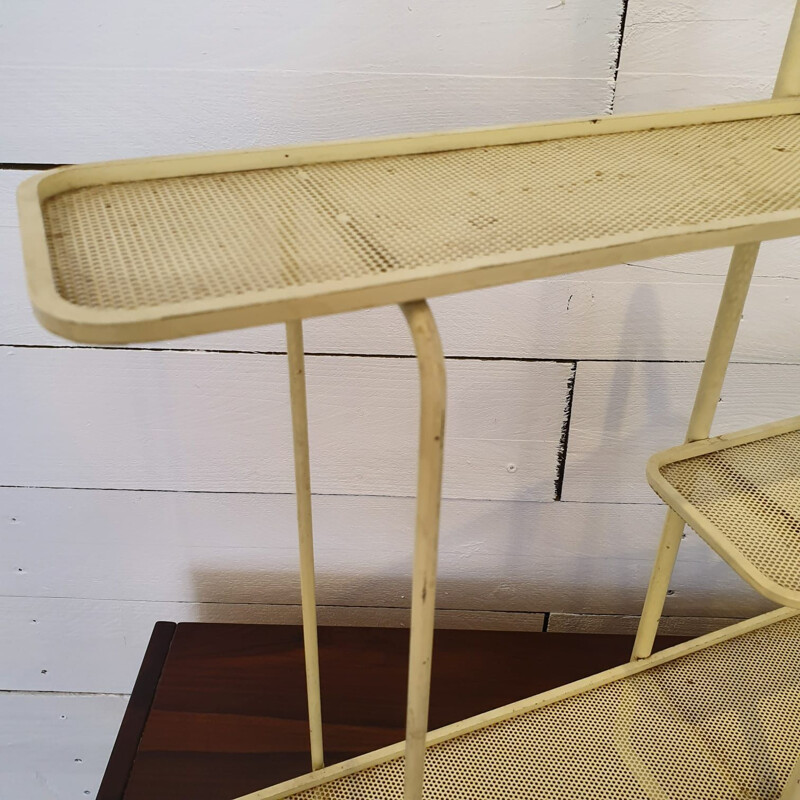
x=659, y=584
x=302, y=475
x=723, y=336
x=430, y=360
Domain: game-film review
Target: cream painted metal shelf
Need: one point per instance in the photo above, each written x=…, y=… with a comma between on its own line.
x=714, y=721
x=165, y=247
x=741, y=493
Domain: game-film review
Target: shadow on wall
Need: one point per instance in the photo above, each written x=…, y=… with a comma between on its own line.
x=258, y=596
x=625, y=422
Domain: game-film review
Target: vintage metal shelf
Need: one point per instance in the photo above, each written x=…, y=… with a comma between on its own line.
x=741, y=493
x=165, y=247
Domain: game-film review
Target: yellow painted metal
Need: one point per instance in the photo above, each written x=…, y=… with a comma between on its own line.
x=792, y=790
x=787, y=84
x=164, y=247
x=302, y=471
x=159, y=248
x=718, y=356
x=658, y=586
x=741, y=493
x=726, y=326
x=430, y=360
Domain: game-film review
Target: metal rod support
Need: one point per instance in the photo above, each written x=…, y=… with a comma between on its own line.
x=787, y=84
x=302, y=476
x=660, y=576
x=430, y=360
x=723, y=336
x=726, y=325
x=720, y=348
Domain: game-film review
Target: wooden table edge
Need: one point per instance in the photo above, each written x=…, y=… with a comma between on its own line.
x=126, y=745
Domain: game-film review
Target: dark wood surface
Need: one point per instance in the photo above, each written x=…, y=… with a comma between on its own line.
x=229, y=712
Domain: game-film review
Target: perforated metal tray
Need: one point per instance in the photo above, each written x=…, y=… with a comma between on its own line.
x=741, y=493
x=166, y=247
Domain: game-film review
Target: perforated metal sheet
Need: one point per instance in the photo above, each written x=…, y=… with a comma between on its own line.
x=148, y=243
x=720, y=723
x=751, y=494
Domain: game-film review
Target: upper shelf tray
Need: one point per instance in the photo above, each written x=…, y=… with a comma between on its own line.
x=164, y=247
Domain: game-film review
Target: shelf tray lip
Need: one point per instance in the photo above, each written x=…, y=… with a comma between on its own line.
x=327, y=774
x=707, y=530
x=150, y=323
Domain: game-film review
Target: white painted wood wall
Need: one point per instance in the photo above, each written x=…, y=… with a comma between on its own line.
x=149, y=483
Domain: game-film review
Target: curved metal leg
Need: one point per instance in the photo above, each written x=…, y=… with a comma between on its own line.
x=302, y=475
x=723, y=336
x=430, y=360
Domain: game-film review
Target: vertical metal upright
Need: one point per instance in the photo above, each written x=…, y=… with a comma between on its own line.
x=302, y=474
x=430, y=360
x=718, y=357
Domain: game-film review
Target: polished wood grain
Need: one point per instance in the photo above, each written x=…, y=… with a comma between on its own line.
x=229, y=715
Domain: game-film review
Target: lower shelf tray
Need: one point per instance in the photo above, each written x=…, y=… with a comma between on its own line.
x=741, y=493
x=716, y=717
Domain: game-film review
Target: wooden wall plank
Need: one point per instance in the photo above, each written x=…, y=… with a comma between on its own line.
x=622, y=413
x=197, y=75
x=97, y=646
x=121, y=113
x=508, y=37
x=55, y=746
x=609, y=623
x=777, y=259
x=239, y=548
x=9, y=180
x=684, y=54
x=738, y=37
x=206, y=421
x=670, y=92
